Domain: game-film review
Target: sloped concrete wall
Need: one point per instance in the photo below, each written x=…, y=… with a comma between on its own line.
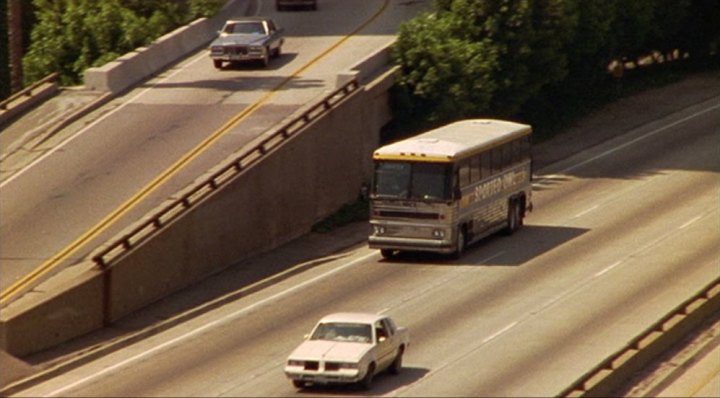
x=278, y=199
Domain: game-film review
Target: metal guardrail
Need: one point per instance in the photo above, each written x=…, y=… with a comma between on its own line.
x=600, y=381
x=28, y=91
x=172, y=211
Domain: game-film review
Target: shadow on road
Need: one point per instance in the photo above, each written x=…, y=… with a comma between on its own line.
x=528, y=243
x=383, y=384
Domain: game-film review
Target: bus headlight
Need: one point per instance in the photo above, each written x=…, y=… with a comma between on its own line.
x=379, y=229
x=438, y=233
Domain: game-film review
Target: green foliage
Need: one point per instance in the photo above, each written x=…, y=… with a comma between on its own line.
x=4, y=53
x=536, y=60
x=434, y=56
x=72, y=35
x=480, y=57
x=700, y=34
x=205, y=8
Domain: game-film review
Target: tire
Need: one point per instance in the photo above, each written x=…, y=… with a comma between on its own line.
x=515, y=217
x=277, y=52
x=266, y=59
x=387, y=253
x=366, y=381
x=217, y=64
x=460, y=243
x=396, y=364
x=298, y=383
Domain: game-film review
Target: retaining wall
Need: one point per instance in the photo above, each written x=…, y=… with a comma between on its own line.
x=302, y=181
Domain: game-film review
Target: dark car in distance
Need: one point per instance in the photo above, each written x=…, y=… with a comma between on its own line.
x=282, y=5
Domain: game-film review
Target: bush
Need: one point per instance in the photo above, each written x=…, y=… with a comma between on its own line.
x=539, y=61
x=73, y=35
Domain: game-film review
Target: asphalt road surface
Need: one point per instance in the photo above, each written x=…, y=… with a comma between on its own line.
x=622, y=233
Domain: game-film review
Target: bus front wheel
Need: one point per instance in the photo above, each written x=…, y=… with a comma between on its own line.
x=459, y=243
x=387, y=253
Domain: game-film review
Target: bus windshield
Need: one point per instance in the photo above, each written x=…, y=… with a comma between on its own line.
x=412, y=180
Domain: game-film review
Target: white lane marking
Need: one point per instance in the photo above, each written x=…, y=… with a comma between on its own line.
x=500, y=332
x=494, y=256
x=638, y=139
x=687, y=224
x=582, y=213
x=64, y=142
x=220, y=321
x=608, y=268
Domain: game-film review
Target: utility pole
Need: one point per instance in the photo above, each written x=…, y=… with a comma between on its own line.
x=16, y=44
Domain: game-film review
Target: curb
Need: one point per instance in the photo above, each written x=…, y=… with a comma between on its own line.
x=611, y=374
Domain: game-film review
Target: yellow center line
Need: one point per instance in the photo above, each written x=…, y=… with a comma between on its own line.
x=93, y=232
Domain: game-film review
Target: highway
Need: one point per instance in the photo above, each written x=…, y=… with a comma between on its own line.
x=122, y=161
x=621, y=234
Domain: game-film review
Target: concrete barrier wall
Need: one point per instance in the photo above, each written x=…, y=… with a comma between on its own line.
x=19, y=105
x=614, y=372
x=133, y=67
x=67, y=305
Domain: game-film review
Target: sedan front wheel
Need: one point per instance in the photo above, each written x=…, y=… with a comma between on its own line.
x=366, y=381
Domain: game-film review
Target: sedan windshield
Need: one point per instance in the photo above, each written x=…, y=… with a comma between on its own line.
x=412, y=180
x=342, y=331
x=251, y=28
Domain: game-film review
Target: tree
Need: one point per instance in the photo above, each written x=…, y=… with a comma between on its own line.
x=72, y=35
x=445, y=75
x=15, y=38
x=482, y=57
x=700, y=34
x=633, y=28
x=4, y=52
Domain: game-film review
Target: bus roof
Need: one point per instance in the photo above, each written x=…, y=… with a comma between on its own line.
x=453, y=141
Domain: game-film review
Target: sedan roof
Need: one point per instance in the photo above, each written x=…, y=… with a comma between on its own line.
x=353, y=317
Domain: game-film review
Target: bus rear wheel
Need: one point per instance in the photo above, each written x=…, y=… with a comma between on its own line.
x=515, y=216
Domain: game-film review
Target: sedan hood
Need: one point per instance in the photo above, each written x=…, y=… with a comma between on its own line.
x=238, y=39
x=330, y=350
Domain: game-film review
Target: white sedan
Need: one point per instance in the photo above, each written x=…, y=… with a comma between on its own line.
x=348, y=348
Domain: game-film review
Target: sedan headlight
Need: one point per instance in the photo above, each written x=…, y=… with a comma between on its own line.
x=349, y=365
x=217, y=49
x=295, y=362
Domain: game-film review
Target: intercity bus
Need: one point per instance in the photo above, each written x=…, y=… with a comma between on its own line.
x=449, y=187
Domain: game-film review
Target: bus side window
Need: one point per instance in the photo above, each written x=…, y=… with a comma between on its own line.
x=456, y=185
x=475, y=169
x=496, y=161
x=525, y=145
x=485, y=164
x=464, y=174
x=507, y=158
x=517, y=151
